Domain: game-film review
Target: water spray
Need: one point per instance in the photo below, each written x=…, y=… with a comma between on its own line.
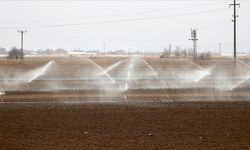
x=150, y=67
x=111, y=67
x=245, y=78
x=40, y=71
x=105, y=73
x=238, y=84
x=128, y=77
x=202, y=73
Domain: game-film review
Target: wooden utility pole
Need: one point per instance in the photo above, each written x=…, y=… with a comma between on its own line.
x=22, y=32
x=234, y=21
x=220, y=47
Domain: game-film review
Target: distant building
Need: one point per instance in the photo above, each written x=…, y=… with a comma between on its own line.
x=81, y=54
x=45, y=52
x=117, y=52
x=57, y=52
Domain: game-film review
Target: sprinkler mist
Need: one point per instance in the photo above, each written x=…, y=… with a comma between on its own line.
x=111, y=67
x=170, y=77
x=124, y=97
x=201, y=73
x=239, y=83
x=245, y=77
x=40, y=71
x=128, y=77
x=103, y=71
x=149, y=66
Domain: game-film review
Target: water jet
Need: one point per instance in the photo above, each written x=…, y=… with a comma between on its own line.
x=40, y=71
x=103, y=71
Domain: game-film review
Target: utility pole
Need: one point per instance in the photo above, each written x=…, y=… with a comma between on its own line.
x=194, y=39
x=170, y=49
x=104, y=48
x=234, y=21
x=22, y=32
x=220, y=47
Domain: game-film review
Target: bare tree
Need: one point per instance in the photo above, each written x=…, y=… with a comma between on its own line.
x=14, y=53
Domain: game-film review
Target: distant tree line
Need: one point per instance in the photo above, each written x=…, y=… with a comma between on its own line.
x=14, y=53
x=205, y=55
x=178, y=52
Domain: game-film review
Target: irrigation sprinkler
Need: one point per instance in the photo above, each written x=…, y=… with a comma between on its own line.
x=2, y=96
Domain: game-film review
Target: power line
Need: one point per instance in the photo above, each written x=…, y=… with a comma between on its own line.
x=247, y=20
x=115, y=21
x=110, y=15
x=243, y=17
x=246, y=12
x=220, y=48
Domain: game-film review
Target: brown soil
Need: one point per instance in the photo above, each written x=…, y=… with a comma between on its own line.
x=177, y=125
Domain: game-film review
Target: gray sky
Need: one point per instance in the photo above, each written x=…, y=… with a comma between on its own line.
x=129, y=25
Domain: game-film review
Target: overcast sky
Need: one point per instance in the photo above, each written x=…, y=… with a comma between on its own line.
x=128, y=25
